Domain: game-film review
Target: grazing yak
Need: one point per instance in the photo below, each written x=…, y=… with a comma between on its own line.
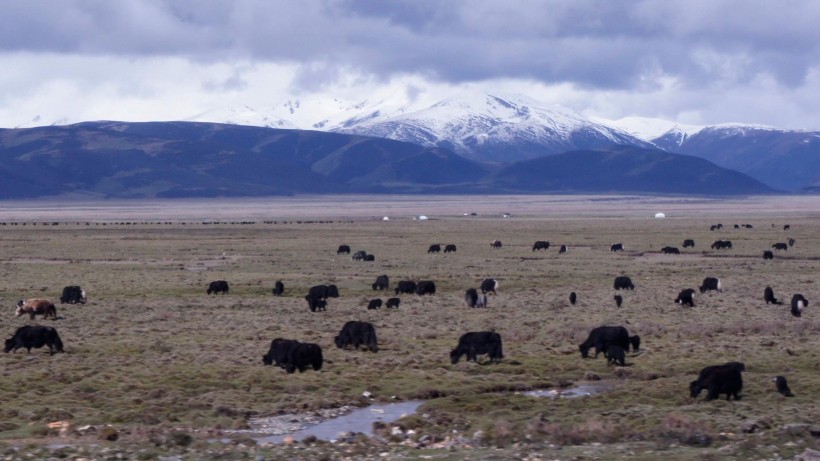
x=449, y=248
x=481, y=301
x=405, y=286
x=370, y=258
x=710, y=283
x=489, y=285
x=343, y=250
x=573, y=298
x=722, y=245
x=563, y=249
x=382, y=283
x=602, y=337
x=768, y=254
x=768, y=296
x=623, y=283
x=792, y=242
x=360, y=255
x=34, y=307
x=616, y=247
x=686, y=297
x=278, y=288
x=315, y=303
x=474, y=343
x=473, y=299
x=35, y=336
x=392, y=303
x=541, y=245
x=719, y=379
x=670, y=250
x=470, y=297
x=72, y=295
x=278, y=352
x=374, y=304
x=615, y=355
x=783, y=386
x=304, y=355
x=688, y=243
x=324, y=291
x=780, y=246
x=355, y=333
x=798, y=303
x=786, y=227
x=618, y=300
x=426, y=287
x=293, y=355
x=218, y=286
x=495, y=244
x=436, y=248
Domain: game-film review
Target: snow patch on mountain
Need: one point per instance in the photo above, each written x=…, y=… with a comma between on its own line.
x=480, y=125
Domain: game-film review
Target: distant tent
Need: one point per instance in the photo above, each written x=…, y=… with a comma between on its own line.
x=422, y=218
x=385, y=219
x=660, y=215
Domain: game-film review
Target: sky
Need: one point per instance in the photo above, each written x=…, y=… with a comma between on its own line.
x=691, y=61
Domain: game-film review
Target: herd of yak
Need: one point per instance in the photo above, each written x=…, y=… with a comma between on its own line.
x=613, y=341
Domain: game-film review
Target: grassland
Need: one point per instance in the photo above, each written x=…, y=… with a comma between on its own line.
x=153, y=356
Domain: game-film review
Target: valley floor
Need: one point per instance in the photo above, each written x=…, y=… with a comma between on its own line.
x=171, y=369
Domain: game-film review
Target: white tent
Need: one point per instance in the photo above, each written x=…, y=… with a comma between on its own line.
x=422, y=218
x=385, y=219
x=660, y=215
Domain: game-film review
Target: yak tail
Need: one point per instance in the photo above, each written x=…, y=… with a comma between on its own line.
x=719, y=287
x=495, y=286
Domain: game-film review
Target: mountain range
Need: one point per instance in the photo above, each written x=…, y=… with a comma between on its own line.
x=470, y=143
x=510, y=128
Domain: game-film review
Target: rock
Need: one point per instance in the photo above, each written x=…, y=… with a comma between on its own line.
x=108, y=433
x=622, y=372
x=82, y=430
x=796, y=428
x=808, y=455
x=288, y=440
x=590, y=376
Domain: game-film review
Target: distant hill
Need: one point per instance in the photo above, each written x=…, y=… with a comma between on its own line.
x=191, y=159
x=184, y=159
x=624, y=169
x=784, y=159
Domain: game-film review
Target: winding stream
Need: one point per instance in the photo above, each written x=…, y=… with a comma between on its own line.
x=299, y=427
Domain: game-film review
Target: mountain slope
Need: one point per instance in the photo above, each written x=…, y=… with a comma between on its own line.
x=786, y=160
x=178, y=159
x=624, y=169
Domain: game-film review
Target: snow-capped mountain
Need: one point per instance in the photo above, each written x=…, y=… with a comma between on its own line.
x=503, y=129
x=665, y=134
x=493, y=128
x=311, y=114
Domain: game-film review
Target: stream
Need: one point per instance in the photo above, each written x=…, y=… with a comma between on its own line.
x=297, y=427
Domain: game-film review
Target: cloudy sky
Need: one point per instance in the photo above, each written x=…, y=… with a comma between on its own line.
x=692, y=61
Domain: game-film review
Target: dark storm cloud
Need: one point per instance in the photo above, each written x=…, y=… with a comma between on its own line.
x=595, y=44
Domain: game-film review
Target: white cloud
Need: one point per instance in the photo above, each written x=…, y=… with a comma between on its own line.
x=711, y=60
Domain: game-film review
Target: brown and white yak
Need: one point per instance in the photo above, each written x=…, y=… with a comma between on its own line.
x=33, y=307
